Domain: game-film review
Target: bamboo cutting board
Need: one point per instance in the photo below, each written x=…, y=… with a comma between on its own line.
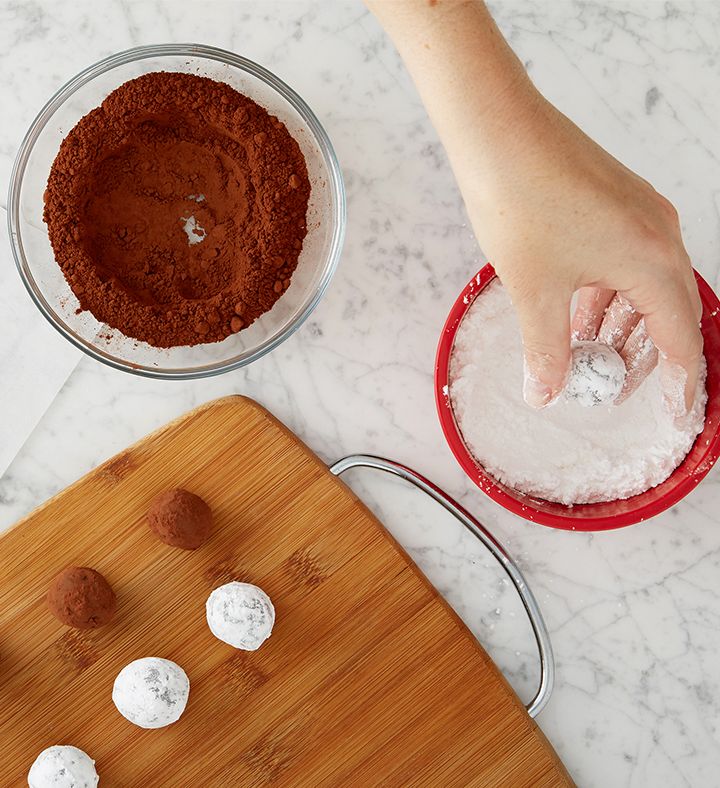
x=368, y=679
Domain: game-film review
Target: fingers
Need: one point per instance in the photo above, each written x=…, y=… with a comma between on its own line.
x=640, y=356
x=623, y=329
x=545, y=326
x=673, y=326
x=589, y=312
x=619, y=322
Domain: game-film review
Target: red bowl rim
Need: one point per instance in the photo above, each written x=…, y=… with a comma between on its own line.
x=494, y=489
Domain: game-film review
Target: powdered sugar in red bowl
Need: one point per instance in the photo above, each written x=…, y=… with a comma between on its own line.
x=594, y=516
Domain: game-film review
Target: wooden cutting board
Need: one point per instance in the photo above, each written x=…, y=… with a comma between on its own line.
x=368, y=679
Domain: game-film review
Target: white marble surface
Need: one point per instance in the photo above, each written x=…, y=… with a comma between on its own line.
x=635, y=614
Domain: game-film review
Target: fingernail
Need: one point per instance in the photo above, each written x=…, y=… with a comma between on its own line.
x=536, y=393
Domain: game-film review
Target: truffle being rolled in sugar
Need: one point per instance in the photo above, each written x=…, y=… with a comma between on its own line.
x=597, y=374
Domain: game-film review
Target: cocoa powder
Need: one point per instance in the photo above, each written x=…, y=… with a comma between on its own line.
x=177, y=209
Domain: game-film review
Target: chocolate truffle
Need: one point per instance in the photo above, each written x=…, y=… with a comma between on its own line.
x=241, y=615
x=63, y=766
x=597, y=374
x=151, y=692
x=181, y=519
x=81, y=598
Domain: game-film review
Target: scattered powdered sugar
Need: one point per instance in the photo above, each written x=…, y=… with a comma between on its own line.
x=565, y=453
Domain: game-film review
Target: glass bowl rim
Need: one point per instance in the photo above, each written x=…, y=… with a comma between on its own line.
x=134, y=54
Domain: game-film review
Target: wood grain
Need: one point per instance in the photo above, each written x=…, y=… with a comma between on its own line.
x=368, y=679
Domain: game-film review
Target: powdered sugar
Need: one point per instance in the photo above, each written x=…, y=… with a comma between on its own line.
x=566, y=453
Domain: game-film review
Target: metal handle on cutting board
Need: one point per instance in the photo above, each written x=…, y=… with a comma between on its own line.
x=542, y=637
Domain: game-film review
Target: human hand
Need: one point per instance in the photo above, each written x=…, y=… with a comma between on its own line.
x=559, y=214
x=554, y=211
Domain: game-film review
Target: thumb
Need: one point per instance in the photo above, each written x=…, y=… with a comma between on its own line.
x=545, y=325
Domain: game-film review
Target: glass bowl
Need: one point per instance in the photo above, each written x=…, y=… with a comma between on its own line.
x=44, y=279
x=592, y=516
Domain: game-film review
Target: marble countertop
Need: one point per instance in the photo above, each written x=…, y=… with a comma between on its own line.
x=634, y=614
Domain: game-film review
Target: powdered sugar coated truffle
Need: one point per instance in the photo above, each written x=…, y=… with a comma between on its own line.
x=63, y=766
x=151, y=692
x=241, y=615
x=597, y=374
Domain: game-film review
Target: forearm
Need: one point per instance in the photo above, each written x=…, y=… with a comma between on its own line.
x=474, y=87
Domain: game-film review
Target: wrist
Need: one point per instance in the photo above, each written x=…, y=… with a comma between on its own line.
x=494, y=155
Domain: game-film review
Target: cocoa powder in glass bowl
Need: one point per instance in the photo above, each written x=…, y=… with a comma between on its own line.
x=316, y=263
x=177, y=209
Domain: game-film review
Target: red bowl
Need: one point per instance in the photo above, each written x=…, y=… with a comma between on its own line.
x=594, y=516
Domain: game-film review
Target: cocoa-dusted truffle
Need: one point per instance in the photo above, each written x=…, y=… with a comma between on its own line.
x=180, y=518
x=82, y=598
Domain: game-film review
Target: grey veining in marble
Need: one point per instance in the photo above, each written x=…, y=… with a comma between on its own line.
x=634, y=614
